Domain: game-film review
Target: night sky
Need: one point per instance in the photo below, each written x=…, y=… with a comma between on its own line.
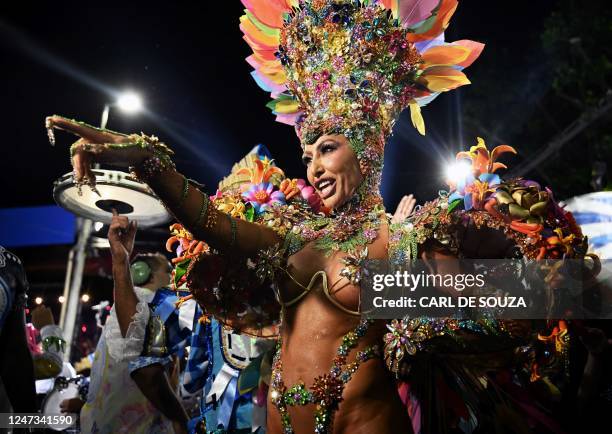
x=187, y=61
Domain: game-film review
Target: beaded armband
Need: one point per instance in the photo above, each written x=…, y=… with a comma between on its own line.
x=157, y=163
x=207, y=214
x=233, y=229
x=184, y=192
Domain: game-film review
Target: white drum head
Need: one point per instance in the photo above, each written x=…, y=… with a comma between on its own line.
x=51, y=407
x=118, y=190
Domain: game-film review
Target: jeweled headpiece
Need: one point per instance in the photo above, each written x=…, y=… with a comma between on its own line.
x=351, y=66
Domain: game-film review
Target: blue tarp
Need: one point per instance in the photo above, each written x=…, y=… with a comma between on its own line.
x=36, y=226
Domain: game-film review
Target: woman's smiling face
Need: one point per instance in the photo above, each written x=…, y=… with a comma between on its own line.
x=332, y=169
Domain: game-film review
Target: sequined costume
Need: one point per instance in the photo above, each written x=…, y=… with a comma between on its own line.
x=350, y=67
x=479, y=376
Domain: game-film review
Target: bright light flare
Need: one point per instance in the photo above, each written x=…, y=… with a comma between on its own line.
x=61, y=299
x=85, y=298
x=98, y=226
x=129, y=102
x=38, y=300
x=457, y=171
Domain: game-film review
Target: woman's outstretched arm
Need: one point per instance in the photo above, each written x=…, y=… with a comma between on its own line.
x=190, y=206
x=197, y=214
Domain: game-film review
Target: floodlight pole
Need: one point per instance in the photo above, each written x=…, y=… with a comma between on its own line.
x=74, y=270
x=74, y=280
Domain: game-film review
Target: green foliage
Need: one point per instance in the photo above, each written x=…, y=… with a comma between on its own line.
x=546, y=85
x=578, y=39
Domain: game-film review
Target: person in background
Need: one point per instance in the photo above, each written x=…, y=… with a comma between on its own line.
x=114, y=402
x=83, y=366
x=17, y=393
x=217, y=356
x=216, y=359
x=49, y=363
x=169, y=332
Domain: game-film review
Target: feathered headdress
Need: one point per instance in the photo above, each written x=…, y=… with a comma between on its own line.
x=351, y=66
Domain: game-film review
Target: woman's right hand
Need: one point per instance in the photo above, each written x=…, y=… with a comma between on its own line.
x=96, y=145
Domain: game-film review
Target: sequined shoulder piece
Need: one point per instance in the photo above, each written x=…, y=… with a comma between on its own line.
x=433, y=221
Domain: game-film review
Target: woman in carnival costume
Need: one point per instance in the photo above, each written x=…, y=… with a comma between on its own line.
x=342, y=71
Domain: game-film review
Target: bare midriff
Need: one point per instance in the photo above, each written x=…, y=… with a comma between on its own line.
x=312, y=331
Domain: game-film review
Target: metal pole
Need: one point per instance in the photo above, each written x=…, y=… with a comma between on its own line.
x=74, y=270
x=79, y=256
x=66, y=293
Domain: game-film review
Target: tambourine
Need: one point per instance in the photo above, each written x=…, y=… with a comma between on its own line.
x=117, y=190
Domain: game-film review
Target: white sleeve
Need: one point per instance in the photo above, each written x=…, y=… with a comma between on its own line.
x=124, y=348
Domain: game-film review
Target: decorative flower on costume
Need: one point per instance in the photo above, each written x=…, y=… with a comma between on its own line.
x=353, y=264
x=543, y=229
x=407, y=336
x=188, y=248
x=478, y=185
x=475, y=191
x=261, y=196
x=484, y=161
x=232, y=204
x=289, y=187
x=218, y=195
x=556, y=352
x=261, y=172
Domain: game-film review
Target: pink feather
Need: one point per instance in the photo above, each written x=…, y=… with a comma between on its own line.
x=412, y=12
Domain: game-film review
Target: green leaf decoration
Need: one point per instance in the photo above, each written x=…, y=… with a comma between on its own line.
x=250, y=214
x=453, y=205
x=282, y=97
x=180, y=270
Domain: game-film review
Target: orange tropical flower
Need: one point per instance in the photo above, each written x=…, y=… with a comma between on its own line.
x=262, y=172
x=484, y=161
